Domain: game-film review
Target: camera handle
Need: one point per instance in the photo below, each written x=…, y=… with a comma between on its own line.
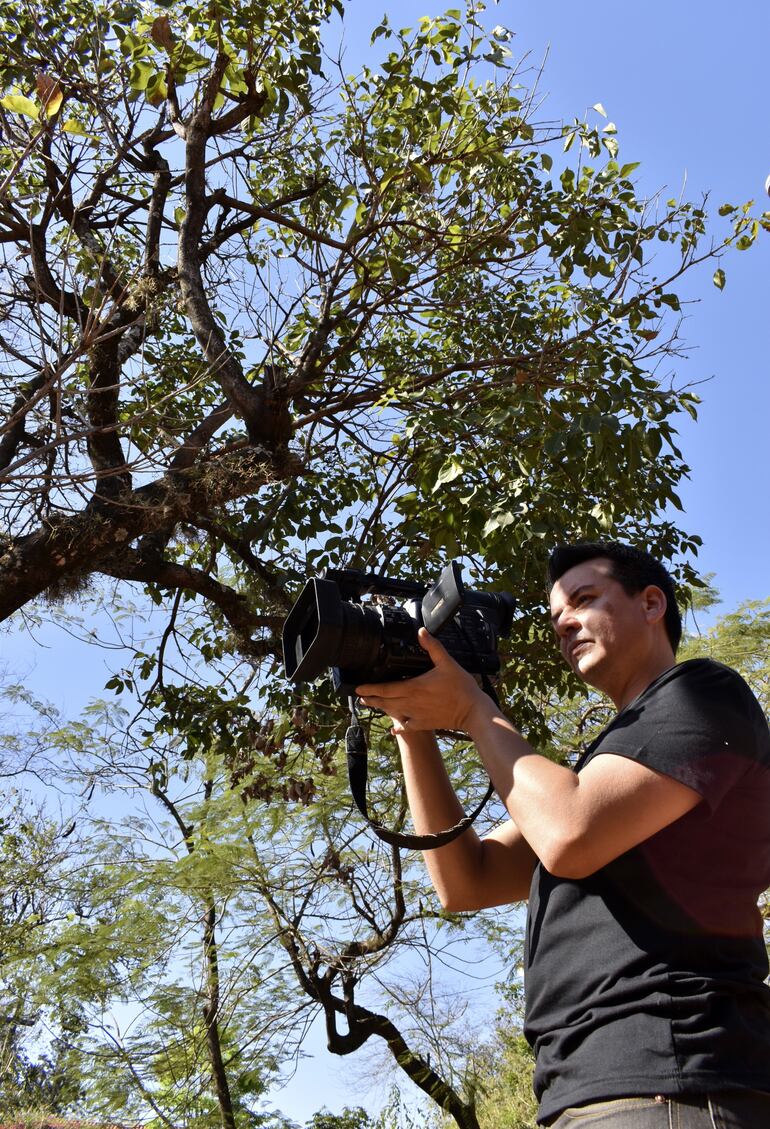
x=355, y=741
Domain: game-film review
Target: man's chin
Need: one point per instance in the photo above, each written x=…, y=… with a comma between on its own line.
x=581, y=659
x=586, y=666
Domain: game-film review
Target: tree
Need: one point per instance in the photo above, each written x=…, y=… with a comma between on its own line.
x=507, y=1100
x=229, y=283
x=201, y=916
x=35, y=855
x=261, y=316
x=740, y=639
x=350, y=1118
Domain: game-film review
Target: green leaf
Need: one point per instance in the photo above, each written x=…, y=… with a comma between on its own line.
x=719, y=279
x=652, y=443
x=141, y=72
x=73, y=126
x=400, y=271
x=451, y=470
x=600, y=109
x=422, y=173
x=268, y=88
x=18, y=104
x=498, y=521
x=394, y=174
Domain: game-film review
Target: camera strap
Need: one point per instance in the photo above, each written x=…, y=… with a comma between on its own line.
x=358, y=772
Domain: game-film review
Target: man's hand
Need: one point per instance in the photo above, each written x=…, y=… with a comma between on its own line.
x=446, y=697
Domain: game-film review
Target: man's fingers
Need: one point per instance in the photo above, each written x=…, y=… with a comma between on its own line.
x=379, y=690
x=396, y=710
x=430, y=643
x=387, y=705
x=436, y=650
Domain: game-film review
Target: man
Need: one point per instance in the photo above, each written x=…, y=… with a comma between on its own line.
x=645, y=963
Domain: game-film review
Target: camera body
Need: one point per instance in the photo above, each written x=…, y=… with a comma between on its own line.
x=330, y=627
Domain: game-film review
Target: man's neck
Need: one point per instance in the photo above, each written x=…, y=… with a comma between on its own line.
x=638, y=681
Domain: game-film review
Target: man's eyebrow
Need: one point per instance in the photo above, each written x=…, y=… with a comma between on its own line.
x=570, y=599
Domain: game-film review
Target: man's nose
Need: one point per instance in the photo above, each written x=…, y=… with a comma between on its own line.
x=566, y=624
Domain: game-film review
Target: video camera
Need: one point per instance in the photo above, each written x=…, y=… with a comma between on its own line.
x=330, y=627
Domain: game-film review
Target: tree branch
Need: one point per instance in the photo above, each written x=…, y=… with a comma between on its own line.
x=130, y=565
x=241, y=547
x=46, y=285
x=80, y=544
x=363, y=1023
x=250, y=403
x=260, y=212
x=104, y=447
x=189, y=450
x=15, y=430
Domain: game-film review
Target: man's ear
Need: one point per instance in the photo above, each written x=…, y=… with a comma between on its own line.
x=654, y=603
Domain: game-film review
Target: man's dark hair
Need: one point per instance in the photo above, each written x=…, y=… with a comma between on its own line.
x=633, y=569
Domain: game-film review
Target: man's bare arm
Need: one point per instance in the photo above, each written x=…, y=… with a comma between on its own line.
x=469, y=873
x=576, y=823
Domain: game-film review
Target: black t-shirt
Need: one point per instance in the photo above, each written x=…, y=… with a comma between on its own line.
x=647, y=977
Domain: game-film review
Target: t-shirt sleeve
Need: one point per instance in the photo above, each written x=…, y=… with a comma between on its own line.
x=697, y=724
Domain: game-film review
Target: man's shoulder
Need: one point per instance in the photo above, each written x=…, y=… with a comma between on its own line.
x=700, y=674
x=698, y=690
x=713, y=692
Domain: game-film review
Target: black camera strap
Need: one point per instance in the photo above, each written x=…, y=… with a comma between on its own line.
x=358, y=772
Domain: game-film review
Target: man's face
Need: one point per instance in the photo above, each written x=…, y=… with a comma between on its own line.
x=602, y=631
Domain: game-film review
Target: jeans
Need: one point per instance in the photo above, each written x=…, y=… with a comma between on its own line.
x=736, y=1109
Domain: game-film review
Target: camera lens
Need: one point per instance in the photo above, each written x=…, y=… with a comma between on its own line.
x=360, y=639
